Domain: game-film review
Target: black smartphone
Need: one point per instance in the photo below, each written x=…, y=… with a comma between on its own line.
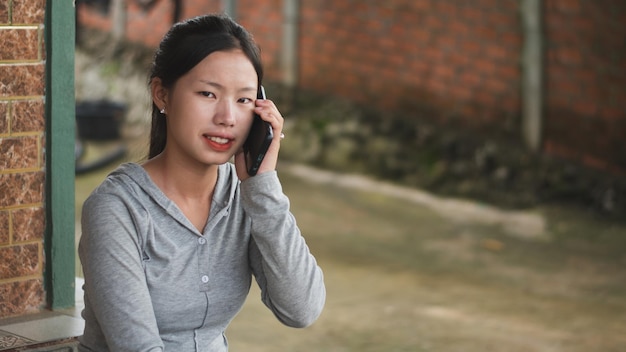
x=258, y=140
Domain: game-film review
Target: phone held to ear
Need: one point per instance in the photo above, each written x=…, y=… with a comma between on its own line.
x=258, y=141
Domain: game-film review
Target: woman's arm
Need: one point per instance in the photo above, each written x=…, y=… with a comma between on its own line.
x=291, y=282
x=117, y=300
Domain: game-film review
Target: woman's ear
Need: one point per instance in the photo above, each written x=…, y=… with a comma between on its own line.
x=158, y=93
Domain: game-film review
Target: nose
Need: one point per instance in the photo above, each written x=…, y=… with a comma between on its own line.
x=225, y=113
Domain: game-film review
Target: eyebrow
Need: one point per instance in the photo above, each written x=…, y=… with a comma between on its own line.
x=221, y=87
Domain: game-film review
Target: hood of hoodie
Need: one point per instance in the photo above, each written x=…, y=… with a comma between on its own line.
x=134, y=179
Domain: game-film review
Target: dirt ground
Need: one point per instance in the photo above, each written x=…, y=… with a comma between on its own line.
x=402, y=277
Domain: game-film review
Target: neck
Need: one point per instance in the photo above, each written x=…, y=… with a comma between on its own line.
x=181, y=180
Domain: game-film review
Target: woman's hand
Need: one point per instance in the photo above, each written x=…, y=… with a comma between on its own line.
x=268, y=111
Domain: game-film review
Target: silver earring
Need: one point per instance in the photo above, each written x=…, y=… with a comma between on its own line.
x=162, y=111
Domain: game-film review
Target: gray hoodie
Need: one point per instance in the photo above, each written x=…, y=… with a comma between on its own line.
x=153, y=282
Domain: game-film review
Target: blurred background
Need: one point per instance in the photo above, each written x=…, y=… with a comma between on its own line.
x=456, y=166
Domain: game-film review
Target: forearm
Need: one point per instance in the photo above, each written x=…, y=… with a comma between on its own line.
x=291, y=281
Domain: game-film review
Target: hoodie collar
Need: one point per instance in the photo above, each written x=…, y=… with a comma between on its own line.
x=225, y=188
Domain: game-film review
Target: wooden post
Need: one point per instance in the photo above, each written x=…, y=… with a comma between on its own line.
x=60, y=136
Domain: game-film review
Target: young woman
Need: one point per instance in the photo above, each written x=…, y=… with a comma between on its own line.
x=169, y=246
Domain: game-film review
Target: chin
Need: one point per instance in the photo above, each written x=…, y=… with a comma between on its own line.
x=216, y=161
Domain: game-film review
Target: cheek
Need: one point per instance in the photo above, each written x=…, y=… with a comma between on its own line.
x=245, y=121
x=184, y=123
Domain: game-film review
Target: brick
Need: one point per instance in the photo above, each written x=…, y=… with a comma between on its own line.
x=497, y=53
x=4, y=12
x=460, y=28
x=375, y=26
x=511, y=40
x=495, y=85
x=569, y=56
x=21, y=297
x=433, y=55
x=585, y=107
x=28, y=116
x=21, y=80
x=485, y=67
x=149, y=27
x=473, y=14
x=4, y=118
x=593, y=161
x=446, y=8
x=512, y=72
x=19, y=153
x=460, y=92
x=447, y=42
x=470, y=47
x=510, y=103
x=484, y=97
x=500, y=20
x=559, y=149
x=5, y=227
x=443, y=72
x=583, y=75
x=19, y=43
x=29, y=11
x=28, y=224
x=434, y=23
x=614, y=114
x=20, y=261
x=193, y=8
x=92, y=18
x=470, y=79
x=21, y=188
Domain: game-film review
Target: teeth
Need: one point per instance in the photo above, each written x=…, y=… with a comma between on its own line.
x=218, y=140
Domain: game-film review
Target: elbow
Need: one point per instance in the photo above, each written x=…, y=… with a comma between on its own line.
x=301, y=321
x=304, y=321
x=306, y=314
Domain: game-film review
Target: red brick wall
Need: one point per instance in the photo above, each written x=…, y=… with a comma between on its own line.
x=586, y=81
x=460, y=61
x=448, y=58
x=22, y=127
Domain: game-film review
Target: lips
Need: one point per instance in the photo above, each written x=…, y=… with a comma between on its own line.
x=218, y=143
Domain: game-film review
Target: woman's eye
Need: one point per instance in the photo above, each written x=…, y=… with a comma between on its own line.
x=208, y=94
x=245, y=100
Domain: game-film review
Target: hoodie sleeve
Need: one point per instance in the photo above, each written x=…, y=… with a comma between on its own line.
x=291, y=282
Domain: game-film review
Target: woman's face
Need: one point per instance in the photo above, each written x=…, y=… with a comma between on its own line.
x=210, y=108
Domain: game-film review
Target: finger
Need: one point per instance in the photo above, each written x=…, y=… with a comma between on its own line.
x=271, y=115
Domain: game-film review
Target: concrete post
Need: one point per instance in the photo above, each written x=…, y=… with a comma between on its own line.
x=230, y=8
x=289, y=53
x=532, y=74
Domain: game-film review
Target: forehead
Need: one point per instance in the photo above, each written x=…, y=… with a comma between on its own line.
x=231, y=67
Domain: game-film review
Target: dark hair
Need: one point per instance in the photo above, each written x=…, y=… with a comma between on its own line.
x=183, y=47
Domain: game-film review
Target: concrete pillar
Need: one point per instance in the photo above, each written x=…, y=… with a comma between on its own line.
x=230, y=8
x=532, y=74
x=289, y=57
